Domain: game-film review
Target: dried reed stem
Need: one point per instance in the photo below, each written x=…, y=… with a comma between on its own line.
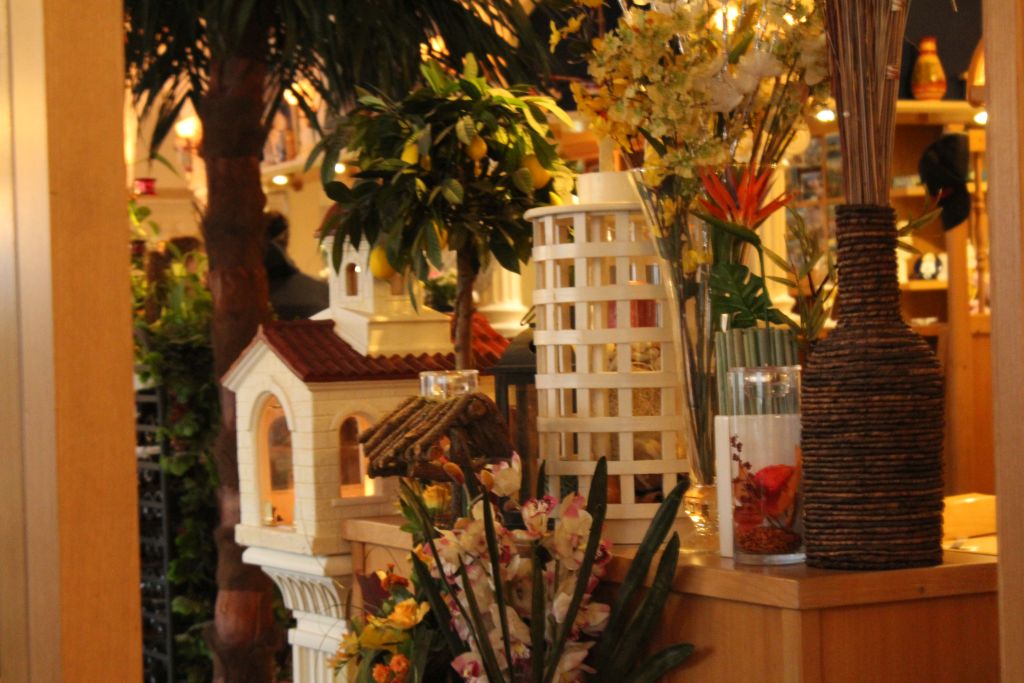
x=865, y=38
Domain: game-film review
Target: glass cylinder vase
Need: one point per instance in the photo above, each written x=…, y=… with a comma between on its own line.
x=445, y=384
x=684, y=248
x=765, y=464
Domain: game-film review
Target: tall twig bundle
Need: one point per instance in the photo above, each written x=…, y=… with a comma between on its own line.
x=864, y=39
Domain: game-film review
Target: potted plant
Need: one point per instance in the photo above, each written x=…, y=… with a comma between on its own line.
x=454, y=165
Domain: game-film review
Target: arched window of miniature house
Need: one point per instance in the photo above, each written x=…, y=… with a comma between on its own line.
x=274, y=449
x=352, y=280
x=354, y=482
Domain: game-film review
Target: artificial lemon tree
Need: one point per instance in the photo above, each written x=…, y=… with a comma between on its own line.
x=454, y=165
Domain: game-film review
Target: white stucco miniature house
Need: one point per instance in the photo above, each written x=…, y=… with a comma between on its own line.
x=304, y=391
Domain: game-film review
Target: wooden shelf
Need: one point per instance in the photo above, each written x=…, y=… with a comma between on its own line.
x=920, y=191
x=937, y=112
x=924, y=286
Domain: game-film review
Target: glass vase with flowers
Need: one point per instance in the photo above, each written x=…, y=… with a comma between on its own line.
x=689, y=88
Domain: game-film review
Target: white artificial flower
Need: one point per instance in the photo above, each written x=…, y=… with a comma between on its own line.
x=723, y=95
x=814, y=59
x=754, y=66
x=508, y=477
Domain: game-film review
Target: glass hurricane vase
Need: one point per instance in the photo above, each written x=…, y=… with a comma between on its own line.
x=683, y=246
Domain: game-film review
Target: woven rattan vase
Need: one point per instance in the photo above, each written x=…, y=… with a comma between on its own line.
x=872, y=417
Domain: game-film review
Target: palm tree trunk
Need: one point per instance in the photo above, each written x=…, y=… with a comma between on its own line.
x=467, y=266
x=243, y=636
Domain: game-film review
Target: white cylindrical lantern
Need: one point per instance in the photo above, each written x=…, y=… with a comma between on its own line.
x=606, y=369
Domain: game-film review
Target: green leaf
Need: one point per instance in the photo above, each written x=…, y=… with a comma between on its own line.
x=421, y=641
x=535, y=117
x=741, y=47
x=782, y=263
x=339, y=192
x=618, y=619
x=523, y=180
x=433, y=244
x=550, y=105
x=331, y=155
x=661, y=663
x=452, y=190
x=373, y=101
x=499, y=589
x=479, y=630
x=637, y=635
x=740, y=294
x=907, y=247
x=424, y=140
x=434, y=76
x=469, y=66
x=471, y=88
x=919, y=222
x=465, y=129
x=438, y=607
x=784, y=281
x=597, y=507
x=737, y=231
x=654, y=142
x=504, y=253
x=337, y=252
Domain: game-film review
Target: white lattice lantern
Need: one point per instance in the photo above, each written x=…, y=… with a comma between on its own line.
x=606, y=377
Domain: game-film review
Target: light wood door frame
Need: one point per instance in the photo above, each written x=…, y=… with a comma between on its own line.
x=30, y=639
x=1004, y=46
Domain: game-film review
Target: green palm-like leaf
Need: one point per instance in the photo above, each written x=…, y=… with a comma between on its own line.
x=661, y=663
x=336, y=46
x=597, y=507
x=742, y=295
x=637, y=635
x=618, y=618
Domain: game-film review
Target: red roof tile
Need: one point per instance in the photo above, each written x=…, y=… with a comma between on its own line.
x=316, y=354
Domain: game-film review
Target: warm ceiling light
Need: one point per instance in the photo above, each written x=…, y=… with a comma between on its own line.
x=290, y=98
x=187, y=128
x=981, y=118
x=339, y=168
x=279, y=180
x=826, y=115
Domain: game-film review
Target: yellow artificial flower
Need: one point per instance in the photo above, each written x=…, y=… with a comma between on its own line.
x=437, y=497
x=574, y=24
x=554, y=37
x=379, y=637
x=407, y=614
x=693, y=258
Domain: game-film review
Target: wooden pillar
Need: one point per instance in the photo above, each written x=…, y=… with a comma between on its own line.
x=69, y=583
x=1004, y=45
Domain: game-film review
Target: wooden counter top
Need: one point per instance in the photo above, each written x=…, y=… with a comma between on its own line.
x=801, y=587
x=792, y=587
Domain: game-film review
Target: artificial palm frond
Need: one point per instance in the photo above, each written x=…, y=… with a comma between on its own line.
x=334, y=46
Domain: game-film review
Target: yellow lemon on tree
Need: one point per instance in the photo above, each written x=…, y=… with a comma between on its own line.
x=540, y=175
x=476, y=149
x=411, y=153
x=380, y=267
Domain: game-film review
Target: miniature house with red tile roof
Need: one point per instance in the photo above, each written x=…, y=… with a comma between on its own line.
x=304, y=391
